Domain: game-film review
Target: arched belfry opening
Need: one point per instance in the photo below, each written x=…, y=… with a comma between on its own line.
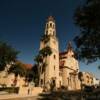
x=50, y=28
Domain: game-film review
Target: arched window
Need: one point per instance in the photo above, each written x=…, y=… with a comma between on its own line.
x=50, y=24
x=46, y=32
x=53, y=33
x=54, y=56
x=47, y=26
x=54, y=67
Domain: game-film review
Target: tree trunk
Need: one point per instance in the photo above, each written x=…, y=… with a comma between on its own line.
x=39, y=75
x=45, y=71
x=44, y=77
x=81, y=91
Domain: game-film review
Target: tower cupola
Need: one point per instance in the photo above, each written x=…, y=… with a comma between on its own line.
x=50, y=28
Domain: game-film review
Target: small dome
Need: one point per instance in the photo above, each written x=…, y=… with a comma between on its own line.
x=50, y=18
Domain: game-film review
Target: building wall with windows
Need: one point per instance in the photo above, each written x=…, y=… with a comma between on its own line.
x=87, y=78
x=62, y=68
x=70, y=68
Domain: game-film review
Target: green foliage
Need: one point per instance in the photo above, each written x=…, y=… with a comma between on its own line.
x=7, y=55
x=45, y=38
x=80, y=75
x=40, y=60
x=18, y=69
x=42, y=54
x=45, y=51
x=36, y=73
x=29, y=75
x=87, y=17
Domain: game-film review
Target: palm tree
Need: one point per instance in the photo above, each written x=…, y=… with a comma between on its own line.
x=35, y=70
x=45, y=38
x=80, y=75
x=44, y=53
x=29, y=76
x=41, y=60
x=38, y=66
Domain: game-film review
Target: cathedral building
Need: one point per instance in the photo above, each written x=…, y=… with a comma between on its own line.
x=62, y=67
x=69, y=69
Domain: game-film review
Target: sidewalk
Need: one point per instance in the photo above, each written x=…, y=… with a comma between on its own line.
x=22, y=93
x=3, y=92
x=11, y=96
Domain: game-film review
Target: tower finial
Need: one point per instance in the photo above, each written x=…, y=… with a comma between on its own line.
x=69, y=47
x=50, y=18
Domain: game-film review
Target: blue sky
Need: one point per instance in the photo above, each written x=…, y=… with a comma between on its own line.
x=22, y=23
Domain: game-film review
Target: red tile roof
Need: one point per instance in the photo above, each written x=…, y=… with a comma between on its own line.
x=63, y=53
x=28, y=66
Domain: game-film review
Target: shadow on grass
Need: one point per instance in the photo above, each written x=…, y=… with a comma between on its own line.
x=60, y=95
x=70, y=95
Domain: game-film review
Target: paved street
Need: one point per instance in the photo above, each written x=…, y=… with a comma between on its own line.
x=18, y=97
x=26, y=98
x=59, y=95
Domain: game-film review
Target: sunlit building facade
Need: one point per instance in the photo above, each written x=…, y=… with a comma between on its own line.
x=62, y=68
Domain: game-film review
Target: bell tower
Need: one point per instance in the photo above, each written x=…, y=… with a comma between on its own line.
x=52, y=61
x=50, y=28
